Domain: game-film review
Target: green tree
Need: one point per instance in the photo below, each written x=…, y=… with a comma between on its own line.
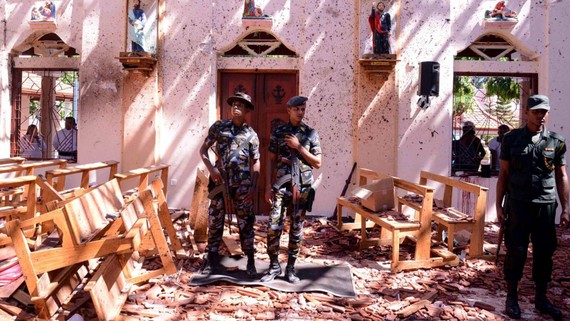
x=463, y=92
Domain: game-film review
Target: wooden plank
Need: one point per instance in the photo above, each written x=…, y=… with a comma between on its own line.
x=108, y=288
x=164, y=216
x=199, y=207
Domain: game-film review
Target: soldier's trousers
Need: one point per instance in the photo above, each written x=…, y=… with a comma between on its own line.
x=283, y=207
x=245, y=220
x=536, y=221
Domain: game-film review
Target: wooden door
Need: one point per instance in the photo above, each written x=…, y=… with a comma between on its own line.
x=269, y=92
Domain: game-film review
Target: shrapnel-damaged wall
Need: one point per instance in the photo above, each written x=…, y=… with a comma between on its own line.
x=364, y=118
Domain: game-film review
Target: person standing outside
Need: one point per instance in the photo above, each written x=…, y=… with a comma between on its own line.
x=532, y=173
x=32, y=144
x=237, y=166
x=381, y=25
x=469, y=150
x=293, y=146
x=65, y=141
x=495, y=146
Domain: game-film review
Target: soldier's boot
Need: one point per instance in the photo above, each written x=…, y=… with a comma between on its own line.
x=512, y=308
x=543, y=305
x=250, y=270
x=274, y=269
x=290, y=273
x=211, y=264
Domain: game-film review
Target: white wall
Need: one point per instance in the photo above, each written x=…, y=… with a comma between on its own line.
x=361, y=117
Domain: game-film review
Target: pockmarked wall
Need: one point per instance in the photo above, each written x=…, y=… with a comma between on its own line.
x=365, y=118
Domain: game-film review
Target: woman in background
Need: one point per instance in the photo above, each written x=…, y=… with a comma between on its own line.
x=32, y=145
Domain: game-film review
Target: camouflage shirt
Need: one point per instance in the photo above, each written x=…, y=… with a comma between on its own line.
x=233, y=149
x=309, y=139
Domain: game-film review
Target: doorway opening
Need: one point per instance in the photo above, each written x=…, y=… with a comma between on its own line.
x=269, y=90
x=44, y=94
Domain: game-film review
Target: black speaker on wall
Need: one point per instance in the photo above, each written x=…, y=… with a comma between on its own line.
x=429, y=79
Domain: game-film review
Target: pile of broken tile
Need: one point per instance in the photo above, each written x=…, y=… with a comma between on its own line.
x=474, y=290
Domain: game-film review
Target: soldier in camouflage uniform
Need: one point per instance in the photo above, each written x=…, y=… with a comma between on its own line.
x=237, y=150
x=290, y=142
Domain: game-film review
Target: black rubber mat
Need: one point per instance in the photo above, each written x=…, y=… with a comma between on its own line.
x=334, y=279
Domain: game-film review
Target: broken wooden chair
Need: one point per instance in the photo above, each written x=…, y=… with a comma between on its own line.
x=454, y=220
x=86, y=233
x=394, y=230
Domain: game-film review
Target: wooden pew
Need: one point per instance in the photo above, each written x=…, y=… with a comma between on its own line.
x=393, y=231
x=26, y=169
x=18, y=210
x=11, y=161
x=454, y=220
x=56, y=177
x=143, y=174
x=86, y=234
x=159, y=189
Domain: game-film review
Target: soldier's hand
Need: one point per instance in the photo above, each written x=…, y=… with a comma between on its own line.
x=269, y=194
x=500, y=215
x=292, y=141
x=216, y=176
x=565, y=219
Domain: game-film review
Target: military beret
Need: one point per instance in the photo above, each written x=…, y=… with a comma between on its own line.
x=538, y=102
x=297, y=101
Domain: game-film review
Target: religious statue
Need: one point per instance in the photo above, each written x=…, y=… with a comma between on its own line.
x=381, y=25
x=250, y=10
x=501, y=12
x=137, y=21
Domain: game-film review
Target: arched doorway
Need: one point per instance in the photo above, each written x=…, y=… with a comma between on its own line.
x=269, y=89
x=45, y=90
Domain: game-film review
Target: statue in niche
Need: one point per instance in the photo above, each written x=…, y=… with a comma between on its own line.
x=43, y=11
x=137, y=21
x=381, y=26
x=251, y=11
x=501, y=13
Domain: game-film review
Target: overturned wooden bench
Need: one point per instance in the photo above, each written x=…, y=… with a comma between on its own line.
x=158, y=184
x=86, y=232
x=454, y=220
x=393, y=230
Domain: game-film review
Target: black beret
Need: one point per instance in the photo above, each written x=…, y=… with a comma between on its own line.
x=297, y=101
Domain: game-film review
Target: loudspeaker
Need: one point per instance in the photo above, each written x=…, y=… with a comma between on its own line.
x=429, y=79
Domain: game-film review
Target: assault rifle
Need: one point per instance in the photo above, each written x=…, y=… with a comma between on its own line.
x=223, y=188
x=295, y=179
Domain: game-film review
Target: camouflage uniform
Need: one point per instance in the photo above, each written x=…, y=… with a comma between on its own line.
x=309, y=139
x=237, y=167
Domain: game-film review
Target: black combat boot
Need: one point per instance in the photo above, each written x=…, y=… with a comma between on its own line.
x=274, y=269
x=512, y=308
x=211, y=264
x=290, y=273
x=543, y=305
x=250, y=269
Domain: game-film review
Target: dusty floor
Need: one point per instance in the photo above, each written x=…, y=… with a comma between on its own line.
x=474, y=290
